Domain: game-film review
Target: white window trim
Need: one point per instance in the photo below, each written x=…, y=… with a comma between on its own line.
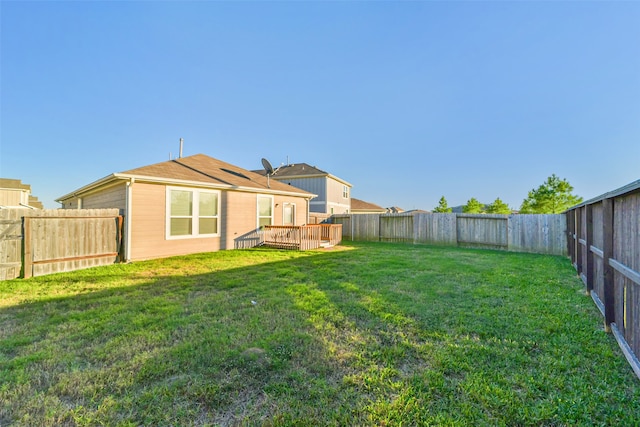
x=345, y=192
x=258, y=209
x=294, y=212
x=194, y=215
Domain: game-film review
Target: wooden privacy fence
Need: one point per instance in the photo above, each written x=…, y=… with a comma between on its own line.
x=604, y=246
x=39, y=242
x=522, y=233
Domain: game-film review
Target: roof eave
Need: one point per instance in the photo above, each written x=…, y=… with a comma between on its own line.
x=168, y=181
x=89, y=187
x=316, y=175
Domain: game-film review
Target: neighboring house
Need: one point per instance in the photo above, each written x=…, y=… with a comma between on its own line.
x=191, y=204
x=13, y=193
x=361, y=207
x=395, y=210
x=334, y=194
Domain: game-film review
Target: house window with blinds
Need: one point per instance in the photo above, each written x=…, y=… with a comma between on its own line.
x=192, y=213
x=265, y=211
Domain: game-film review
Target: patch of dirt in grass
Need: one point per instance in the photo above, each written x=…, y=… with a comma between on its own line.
x=249, y=405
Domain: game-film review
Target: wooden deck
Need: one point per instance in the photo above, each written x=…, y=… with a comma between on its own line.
x=302, y=237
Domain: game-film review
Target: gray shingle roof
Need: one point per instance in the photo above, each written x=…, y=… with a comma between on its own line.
x=202, y=168
x=295, y=169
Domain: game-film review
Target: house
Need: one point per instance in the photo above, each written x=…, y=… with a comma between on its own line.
x=394, y=210
x=361, y=207
x=334, y=194
x=13, y=193
x=191, y=204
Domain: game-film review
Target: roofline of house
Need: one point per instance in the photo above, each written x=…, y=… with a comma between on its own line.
x=315, y=175
x=113, y=178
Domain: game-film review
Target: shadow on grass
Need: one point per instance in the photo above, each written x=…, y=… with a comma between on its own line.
x=380, y=334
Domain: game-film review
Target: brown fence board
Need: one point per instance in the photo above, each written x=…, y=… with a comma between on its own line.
x=396, y=228
x=10, y=244
x=482, y=230
x=49, y=241
x=435, y=228
x=615, y=255
x=522, y=233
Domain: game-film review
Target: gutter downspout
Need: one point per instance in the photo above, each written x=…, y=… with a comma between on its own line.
x=127, y=222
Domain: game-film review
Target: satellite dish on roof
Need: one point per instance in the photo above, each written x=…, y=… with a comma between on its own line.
x=268, y=169
x=267, y=166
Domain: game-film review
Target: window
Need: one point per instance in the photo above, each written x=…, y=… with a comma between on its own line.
x=289, y=214
x=192, y=213
x=345, y=191
x=265, y=210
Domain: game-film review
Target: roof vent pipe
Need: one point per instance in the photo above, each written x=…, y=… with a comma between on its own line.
x=181, y=144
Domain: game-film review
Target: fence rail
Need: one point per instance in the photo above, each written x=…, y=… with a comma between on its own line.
x=38, y=242
x=523, y=233
x=303, y=237
x=604, y=246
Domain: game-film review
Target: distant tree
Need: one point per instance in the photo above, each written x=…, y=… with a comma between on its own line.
x=498, y=207
x=473, y=206
x=553, y=196
x=442, y=206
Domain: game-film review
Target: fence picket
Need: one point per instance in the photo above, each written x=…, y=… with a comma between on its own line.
x=521, y=233
x=45, y=241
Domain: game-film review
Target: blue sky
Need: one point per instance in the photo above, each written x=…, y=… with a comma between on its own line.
x=408, y=101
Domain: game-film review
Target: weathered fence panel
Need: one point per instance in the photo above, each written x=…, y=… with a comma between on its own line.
x=366, y=227
x=396, y=228
x=522, y=233
x=11, y=242
x=345, y=221
x=604, y=245
x=50, y=241
x=437, y=229
x=542, y=234
x=482, y=230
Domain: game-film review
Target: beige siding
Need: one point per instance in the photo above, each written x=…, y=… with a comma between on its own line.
x=148, y=227
x=238, y=216
x=335, y=197
x=11, y=197
x=70, y=204
x=301, y=210
x=114, y=196
x=110, y=197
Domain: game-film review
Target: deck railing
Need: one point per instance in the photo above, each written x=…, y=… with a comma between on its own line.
x=302, y=237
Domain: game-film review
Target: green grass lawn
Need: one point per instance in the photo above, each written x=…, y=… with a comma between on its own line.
x=365, y=334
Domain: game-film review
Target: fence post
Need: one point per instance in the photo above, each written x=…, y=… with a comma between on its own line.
x=579, y=248
x=607, y=250
x=27, y=248
x=576, y=243
x=569, y=216
x=119, y=239
x=589, y=239
x=351, y=224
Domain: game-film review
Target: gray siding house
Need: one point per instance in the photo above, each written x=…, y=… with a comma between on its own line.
x=333, y=193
